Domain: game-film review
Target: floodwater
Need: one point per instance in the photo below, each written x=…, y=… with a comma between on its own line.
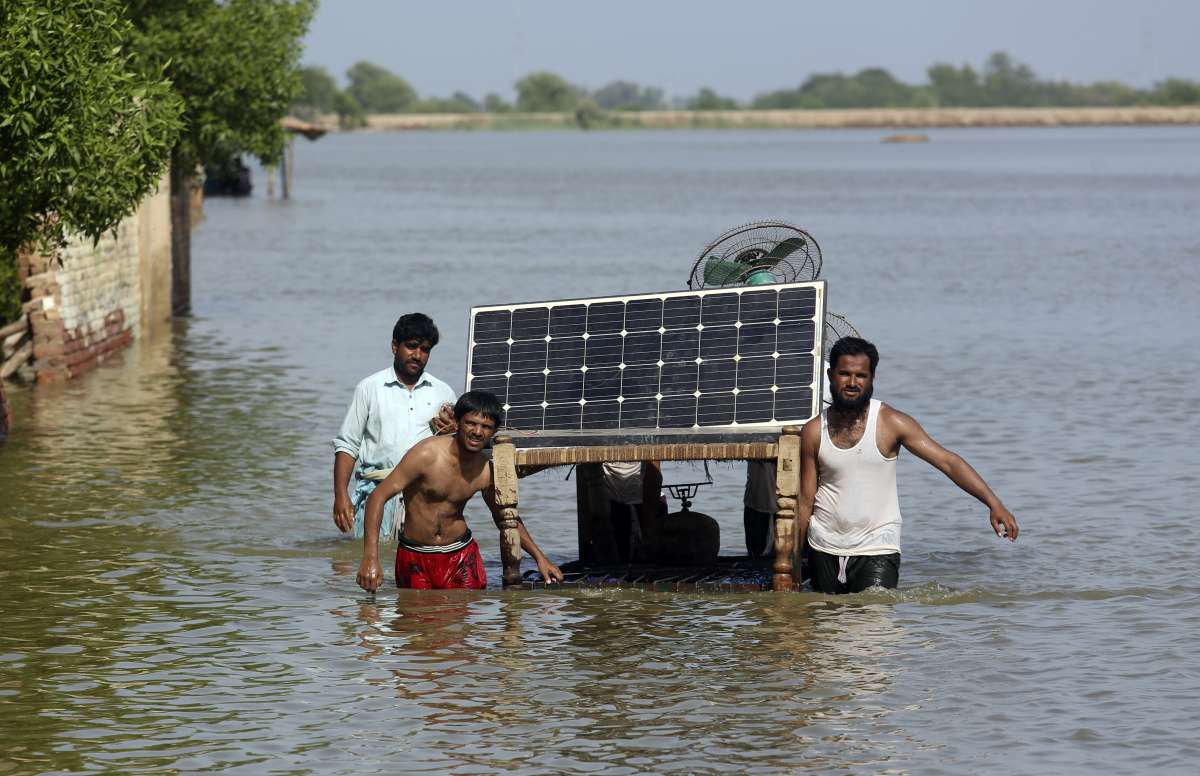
x=176, y=599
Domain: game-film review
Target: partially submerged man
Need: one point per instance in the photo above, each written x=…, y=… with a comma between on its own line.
x=848, y=499
x=438, y=477
x=392, y=410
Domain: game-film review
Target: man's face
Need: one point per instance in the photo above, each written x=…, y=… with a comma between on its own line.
x=851, y=382
x=475, y=431
x=411, y=356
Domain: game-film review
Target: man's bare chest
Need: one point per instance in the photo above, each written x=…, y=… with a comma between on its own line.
x=450, y=489
x=847, y=435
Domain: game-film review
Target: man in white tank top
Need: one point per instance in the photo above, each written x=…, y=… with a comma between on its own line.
x=849, y=508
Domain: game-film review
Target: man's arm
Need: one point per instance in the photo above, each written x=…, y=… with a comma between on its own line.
x=548, y=570
x=345, y=452
x=408, y=471
x=918, y=442
x=343, y=510
x=810, y=441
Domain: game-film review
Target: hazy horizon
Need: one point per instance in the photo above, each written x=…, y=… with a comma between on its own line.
x=478, y=47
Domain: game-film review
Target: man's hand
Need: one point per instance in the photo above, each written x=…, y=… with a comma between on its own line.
x=444, y=422
x=550, y=573
x=343, y=512
x=1003, y=523
x=370, y=574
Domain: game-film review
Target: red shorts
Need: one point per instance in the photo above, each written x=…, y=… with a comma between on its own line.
x=429, y=567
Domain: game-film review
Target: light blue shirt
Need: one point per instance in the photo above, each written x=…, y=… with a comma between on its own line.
x=386, y=419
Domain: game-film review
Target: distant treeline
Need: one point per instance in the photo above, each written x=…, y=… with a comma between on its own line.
x=1002, y=82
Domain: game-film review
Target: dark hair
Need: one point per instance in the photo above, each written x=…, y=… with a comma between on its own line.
x=853, y=346
x=418, y=326
x=484, y=403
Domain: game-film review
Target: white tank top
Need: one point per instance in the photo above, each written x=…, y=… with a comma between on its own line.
x=857, y=509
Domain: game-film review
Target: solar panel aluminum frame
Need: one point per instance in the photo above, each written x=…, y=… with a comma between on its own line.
x=733, y=432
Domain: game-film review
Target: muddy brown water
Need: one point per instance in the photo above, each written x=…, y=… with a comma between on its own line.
x=175, y=598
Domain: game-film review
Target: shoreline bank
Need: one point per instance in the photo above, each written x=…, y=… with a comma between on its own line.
x=872, y=118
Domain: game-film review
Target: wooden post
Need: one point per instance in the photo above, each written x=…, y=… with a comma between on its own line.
x=787, y=488
x=285, y=169
x=181, y=239
x=504, y=472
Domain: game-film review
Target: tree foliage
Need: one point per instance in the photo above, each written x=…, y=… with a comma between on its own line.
x=84, y=132
x=546, y=92
x=318, y=91
x=707, y=99
x=379, y=90
x=234, y=62
x=626, y=95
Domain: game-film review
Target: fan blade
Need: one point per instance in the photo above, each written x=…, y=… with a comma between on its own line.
x=786, y=248
x=719, y=272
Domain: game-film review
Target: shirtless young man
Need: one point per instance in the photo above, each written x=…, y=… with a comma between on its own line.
x=438, y=477
x=848, y=500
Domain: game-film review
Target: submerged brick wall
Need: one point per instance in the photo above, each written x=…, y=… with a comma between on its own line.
x=93, y=298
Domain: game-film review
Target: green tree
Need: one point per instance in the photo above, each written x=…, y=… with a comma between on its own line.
x=379, y=90
x=546, y=92
x=350, y=113
x=1008, y=83
x=1175, y=91
x=236, y=65
x=318, y=91
x=955, y=87
x=626, y=95
x=707, y=99
x=494, y=103
x=459, y=102
x=84, y=132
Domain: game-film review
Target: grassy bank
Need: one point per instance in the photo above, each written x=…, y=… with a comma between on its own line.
x=881, y=118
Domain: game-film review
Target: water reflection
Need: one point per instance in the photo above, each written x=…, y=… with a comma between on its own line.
x=632, y=680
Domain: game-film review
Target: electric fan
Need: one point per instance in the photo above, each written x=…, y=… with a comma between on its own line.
x=756, y=254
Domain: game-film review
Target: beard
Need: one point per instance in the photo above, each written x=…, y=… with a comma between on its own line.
x=854, y=405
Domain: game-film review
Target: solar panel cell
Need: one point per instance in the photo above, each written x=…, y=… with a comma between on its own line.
x=680, y=345
x=568, y=320
x=677, y=412
x=681, y=312
x=719, y=310
x=715, y=409
x=492, y=326
x=639, y=381
x=530, y=323
x=602, y=383
x=564, y=416
x=754, y=406
x=603, y=350
x=717, y=375
x=644, y=315
x=643, y=347
x=678, y=378
x=565, y=352
x=606, y=318
x=758, y=306
x=756, y=339
x=639, y=413
x=527, y=356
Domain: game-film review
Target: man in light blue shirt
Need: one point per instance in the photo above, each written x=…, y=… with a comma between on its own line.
x=392, y=410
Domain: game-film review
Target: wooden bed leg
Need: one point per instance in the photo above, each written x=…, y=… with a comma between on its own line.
x=787, y=488
x=504, y=472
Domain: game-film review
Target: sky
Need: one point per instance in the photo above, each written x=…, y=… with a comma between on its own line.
x=750, y=46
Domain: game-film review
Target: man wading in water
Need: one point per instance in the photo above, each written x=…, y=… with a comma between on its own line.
x=438, y=477
x=392, y=410
x=848, y=500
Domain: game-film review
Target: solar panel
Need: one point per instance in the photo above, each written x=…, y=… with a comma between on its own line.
x=728, y=359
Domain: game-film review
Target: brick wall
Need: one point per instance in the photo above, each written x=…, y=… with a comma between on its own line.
x=93, y=298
